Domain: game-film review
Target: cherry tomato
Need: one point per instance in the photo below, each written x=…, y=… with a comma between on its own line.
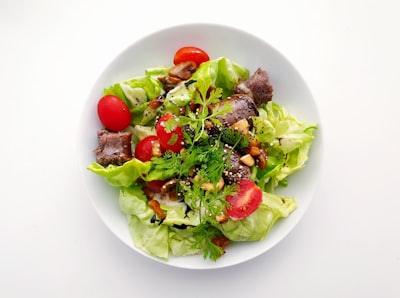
x=145, y=148
x=113, y=113
x=155, y=185
x=170, y=139
x=190, y=54
x=245, y=201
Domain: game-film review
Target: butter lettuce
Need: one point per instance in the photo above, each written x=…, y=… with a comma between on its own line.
x=181, y=242
x=123, y=175
x=256, y=226
x=289, y=142
x=151, y=238
x=136, y=87
x=221, y=73
x=138, y=92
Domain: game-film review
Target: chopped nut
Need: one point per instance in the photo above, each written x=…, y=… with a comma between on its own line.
x=156, y=149
x=242, y=126
x=248, y=160
x=254, y=151
x=208, y=186
x=221, y=218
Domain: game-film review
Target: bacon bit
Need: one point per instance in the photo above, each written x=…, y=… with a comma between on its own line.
x=262, y=159
x=156, y=102
x=221, y=241
x=155, y=206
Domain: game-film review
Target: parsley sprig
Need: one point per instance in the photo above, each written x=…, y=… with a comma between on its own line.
x=204, y=234
x=203, y=97
x=208, y=157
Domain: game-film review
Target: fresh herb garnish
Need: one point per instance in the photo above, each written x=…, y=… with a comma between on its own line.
x=202, y=162
x=197, y=120
x=203, y=235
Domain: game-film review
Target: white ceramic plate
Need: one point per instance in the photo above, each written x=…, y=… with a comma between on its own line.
x=290, y=90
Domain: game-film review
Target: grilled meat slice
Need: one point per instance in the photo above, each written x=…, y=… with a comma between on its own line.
x=257, y=87
x=236, y=170
x=243, y=107
x=114, y=147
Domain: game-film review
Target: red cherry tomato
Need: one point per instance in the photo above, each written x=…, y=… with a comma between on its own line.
x=245, y=201
x=144, y=149
x=170, y=139
x=113, y=113
x=190, y=54
x=156, y=185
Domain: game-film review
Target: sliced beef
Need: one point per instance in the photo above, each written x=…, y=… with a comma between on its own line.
x=236, y=170
x=114, y=147
x=257, y=87
x=243, y=107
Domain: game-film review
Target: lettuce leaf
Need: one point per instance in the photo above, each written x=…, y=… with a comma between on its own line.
x=288, y=144
x=126, y=89
x=123, y=175
x=221, y=73
x=136, y=93
x=256, y=226
x=154, y=238
x=181, y=242
x=151, y=238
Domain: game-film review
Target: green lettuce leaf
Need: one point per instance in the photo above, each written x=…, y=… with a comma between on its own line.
x=256, y=226
x=123, y=175
x=150, y=237
x=221, y=73
x=288, y=144
x=181, y=242
x=131, y=88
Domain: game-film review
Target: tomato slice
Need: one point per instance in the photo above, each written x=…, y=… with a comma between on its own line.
x=145, y=149
x=245, y=201
x=169, y=134
x=113, y=113
x=190, y=53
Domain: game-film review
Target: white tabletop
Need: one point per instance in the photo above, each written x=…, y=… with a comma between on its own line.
x=53, y=243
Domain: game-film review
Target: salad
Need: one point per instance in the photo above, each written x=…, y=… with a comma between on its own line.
x=198, y=150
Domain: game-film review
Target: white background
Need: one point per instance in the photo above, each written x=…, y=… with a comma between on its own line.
x=53, y=243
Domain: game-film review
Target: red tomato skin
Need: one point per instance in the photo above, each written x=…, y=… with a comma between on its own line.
x=113, y=113
x=165, y=137
x=245, y=201
x=144, y=149
x=190, y=53
x=155, y=185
